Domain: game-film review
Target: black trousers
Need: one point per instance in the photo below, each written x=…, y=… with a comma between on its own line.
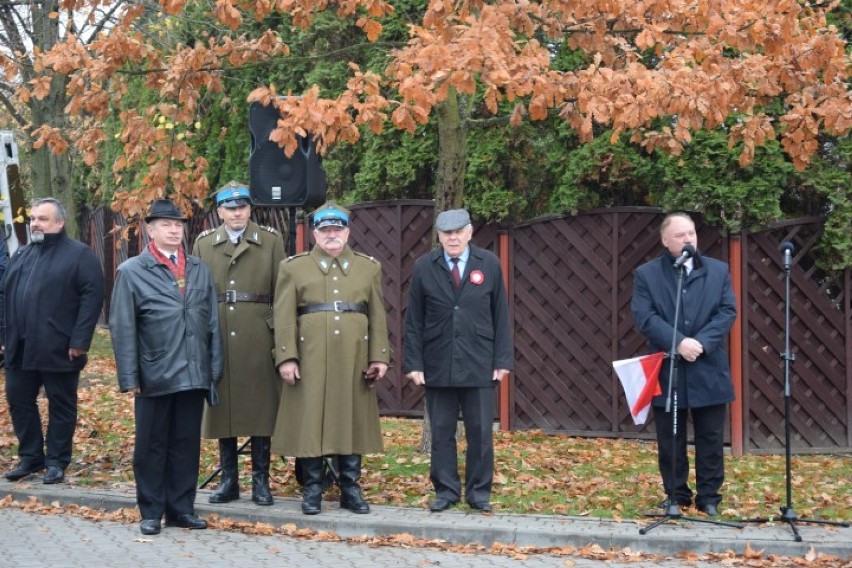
x=168, y=447
x=708, y=424
x=22, y=388
x=477, y=407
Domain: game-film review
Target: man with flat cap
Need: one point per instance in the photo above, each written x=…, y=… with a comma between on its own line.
x=331, y=345
x=458, y=344
x=164, y=325
x=243, y=258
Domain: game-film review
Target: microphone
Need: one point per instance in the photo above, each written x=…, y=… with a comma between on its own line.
x=687, y=253
x=787, y=249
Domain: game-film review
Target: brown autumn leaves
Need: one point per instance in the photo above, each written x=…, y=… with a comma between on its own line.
x=654, y=71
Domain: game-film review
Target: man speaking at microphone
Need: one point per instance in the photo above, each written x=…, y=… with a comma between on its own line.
x=704, y=383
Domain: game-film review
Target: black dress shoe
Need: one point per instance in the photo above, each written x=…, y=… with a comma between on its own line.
x=709, y=510
x=190, y=521
x=54, y=474
x=22, y=470
x=150, y=526
x=483, y=506
x=440, y=504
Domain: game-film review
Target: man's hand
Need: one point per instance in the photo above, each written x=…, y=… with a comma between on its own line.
x=417, y=377
x=374, y=372
x=73, y=353
x=500, y=374
x=134, y=391
x=289, y=371
x=690, y=349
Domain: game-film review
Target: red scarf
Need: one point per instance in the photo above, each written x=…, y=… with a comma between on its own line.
x=178, y=270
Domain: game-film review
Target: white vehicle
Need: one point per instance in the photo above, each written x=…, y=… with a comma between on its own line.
x=13, y=214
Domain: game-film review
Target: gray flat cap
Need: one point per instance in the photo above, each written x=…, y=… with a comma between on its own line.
x=452, y=220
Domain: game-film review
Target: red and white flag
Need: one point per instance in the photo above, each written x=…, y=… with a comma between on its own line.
x=640, y=379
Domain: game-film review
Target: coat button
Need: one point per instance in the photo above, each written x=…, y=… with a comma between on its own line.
x=233, y=333
x=336, y=332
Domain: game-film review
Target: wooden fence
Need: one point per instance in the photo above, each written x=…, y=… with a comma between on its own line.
x=570, y=283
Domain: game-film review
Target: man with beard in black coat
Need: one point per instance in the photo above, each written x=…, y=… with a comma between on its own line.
x=49, y=305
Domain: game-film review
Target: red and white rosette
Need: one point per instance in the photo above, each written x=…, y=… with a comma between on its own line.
x=477, y=277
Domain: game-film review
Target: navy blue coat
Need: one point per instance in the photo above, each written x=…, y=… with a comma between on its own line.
x=458, y=338
x=50, y=301
x=708, y=311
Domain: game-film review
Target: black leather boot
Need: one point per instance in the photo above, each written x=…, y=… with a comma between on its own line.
x=229, y=487
x=350, y=491
x=311, y=485
x=260, y=492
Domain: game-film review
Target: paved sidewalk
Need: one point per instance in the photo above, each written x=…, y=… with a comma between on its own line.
x=464, y=526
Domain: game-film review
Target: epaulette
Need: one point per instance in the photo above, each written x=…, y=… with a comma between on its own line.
x=272, y=230
x=361, y=254
x=295, y=256
x=205, y=233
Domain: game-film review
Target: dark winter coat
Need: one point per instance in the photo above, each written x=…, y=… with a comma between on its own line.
x=707, y=314
x=164, y=341
x=458, y=338
x=50, y=301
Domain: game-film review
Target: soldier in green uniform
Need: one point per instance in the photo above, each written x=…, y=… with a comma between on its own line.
x=331, y=345
x=243, y=258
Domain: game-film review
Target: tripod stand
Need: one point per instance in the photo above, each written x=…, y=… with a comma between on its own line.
x=788, y=514
x=240, y=451
x=672, y=510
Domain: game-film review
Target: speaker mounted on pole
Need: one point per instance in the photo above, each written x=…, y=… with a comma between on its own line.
x=276, y=180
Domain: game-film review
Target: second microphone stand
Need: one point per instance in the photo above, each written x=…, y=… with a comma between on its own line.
x=672, y=510
x=788, y=514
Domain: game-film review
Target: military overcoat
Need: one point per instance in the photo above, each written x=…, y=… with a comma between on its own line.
x=331, y=410
x=251, y=388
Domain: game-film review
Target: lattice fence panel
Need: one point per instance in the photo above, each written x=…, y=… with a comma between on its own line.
x=395, y=233
x=638, y=242
x=562, y=302
x=818, y=339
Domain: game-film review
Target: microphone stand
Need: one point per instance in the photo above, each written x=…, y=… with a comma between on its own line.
x=788, y=514
x=672, y=510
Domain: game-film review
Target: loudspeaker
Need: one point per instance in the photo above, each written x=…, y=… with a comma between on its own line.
x=275, y=179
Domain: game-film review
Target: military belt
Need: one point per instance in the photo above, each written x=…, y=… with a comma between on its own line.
x=232, y=296
x=333, y=307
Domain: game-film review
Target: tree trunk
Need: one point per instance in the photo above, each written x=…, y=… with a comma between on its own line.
x=449, y=187
x=51, y=173
x=452, y=154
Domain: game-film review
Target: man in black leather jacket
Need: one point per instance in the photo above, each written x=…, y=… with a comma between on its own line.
x=165, y=334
